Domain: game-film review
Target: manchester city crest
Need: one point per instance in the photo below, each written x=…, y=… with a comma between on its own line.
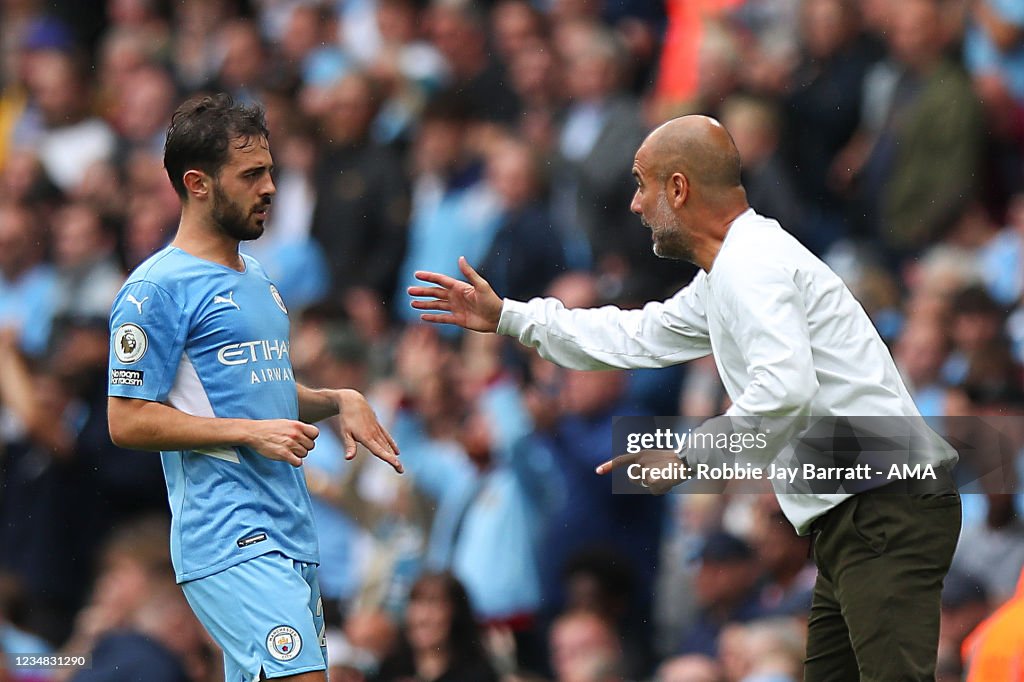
x=284, y=643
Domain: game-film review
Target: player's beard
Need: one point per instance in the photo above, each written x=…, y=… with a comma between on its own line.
x=234, y=221
x=667, y=234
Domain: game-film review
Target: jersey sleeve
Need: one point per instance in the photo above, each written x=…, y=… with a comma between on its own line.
x=147, y=337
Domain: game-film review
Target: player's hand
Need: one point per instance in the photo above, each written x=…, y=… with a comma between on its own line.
x=647, y=461
x=285, y=440
x=472, y=305
x=359, y=426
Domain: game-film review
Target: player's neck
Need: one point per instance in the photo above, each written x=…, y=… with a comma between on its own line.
x=203, y=240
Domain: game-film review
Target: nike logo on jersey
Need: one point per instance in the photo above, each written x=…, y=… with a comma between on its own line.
x=137, y=302
x=227, y=299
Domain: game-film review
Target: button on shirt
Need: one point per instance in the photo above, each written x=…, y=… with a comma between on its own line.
x=788, y=337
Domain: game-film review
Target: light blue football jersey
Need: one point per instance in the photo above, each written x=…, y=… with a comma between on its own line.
x=214, y=342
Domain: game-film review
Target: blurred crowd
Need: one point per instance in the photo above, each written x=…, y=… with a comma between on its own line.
x=887, y=136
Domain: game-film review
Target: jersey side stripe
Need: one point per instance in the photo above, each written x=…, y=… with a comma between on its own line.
x=188, y=395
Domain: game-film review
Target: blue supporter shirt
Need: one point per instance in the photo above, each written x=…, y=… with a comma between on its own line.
x=214, y=342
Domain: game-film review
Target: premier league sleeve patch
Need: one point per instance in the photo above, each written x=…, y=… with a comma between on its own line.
x=284, y=643
x=130, y=343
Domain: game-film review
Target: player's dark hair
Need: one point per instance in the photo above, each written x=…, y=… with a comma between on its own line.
x=201, y=130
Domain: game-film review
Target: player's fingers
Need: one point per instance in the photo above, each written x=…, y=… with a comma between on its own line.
x=309, y=430
x=290, y=455
x=615, y=463
x=432, y=305
x=436, y=278
x=430, y=292
x=390, y=440
x=472, y=275
x=438, y=319
x=350, y=444
x=305, y=442
x=385, y=453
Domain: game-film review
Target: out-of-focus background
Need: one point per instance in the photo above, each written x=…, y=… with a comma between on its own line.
x=887, y=136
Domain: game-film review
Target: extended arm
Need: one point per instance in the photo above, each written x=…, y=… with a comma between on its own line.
x=662, y=333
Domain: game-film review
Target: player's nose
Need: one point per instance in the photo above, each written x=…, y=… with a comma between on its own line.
x=269, y=189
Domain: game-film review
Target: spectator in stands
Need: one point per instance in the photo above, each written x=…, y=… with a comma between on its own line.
x=28, y=286
x=362, y=202
x=924, y=162
x=195, y=51
x=309, y=48
x=526, y=253
x=537, y=81
x=58, y=124
x=754, y=126
x=407, y=67
x=87, y=270
x=585, y=648
x=15, y=640
x=600, y=581
x=243, y=60
x=994, y=55
x=590, y=193
x=1001, y=259
x=457, y=29
x=920, y=352
x=587, y=518
x=454, y=211
x=977, y=321
x=993, y=552
x=821, y=112
x=965, y=604
x=784, y=557
x=136, y=615
x=516, y=26
x=769, y=650
x=493, y=489
x=725, y=588
x=440, y=638
x=141, y=112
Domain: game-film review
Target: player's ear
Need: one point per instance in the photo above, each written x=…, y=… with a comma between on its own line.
x=198, y=184
x=678, y=189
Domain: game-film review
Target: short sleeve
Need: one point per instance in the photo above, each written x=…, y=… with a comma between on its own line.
x=147, y=337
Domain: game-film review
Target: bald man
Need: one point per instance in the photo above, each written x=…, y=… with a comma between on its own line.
x=790, y=342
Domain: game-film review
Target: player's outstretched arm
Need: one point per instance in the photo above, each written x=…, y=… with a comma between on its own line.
x=147, y=425
x=471, y=304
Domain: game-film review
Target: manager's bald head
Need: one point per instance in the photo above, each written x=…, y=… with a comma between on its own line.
x=688, y=188
x=700, y=148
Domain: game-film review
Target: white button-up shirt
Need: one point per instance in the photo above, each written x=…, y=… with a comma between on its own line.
x=788, y=337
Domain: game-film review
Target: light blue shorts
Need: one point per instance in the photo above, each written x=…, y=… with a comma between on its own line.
x=266, y=614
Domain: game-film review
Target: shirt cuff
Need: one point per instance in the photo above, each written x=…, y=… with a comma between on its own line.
x=514, y=318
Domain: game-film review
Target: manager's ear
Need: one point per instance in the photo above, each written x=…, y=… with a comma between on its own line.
x=678, y=190
x=197, y=184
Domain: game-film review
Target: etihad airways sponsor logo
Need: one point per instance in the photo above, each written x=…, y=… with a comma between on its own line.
x=260, y=350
